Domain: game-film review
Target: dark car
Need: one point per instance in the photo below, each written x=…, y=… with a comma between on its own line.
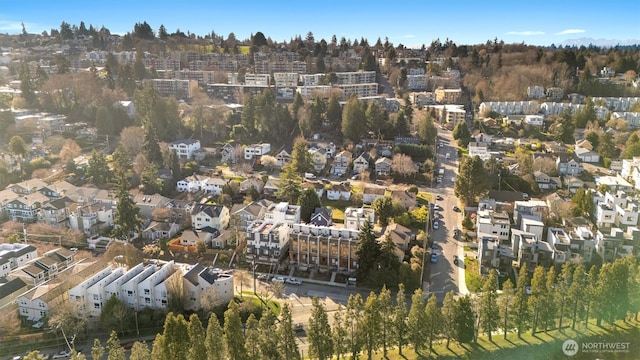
x=434, y=258
x=456, y=209
x=439, y=198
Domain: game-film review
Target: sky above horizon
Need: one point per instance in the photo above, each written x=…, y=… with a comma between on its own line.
x=410, y=22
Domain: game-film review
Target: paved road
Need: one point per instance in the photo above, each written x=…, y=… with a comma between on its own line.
x=444, y=275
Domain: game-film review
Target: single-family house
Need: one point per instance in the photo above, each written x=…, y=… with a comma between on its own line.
x=322, y=216
x=569, y=164
x=256, y=151
x=383, y=166
x=160, y=229
x=283, y=157
x=185, y=148
x=315, y=185
x=573, y=184
x=407, y=199
x=355, y=218
x=318, y=158
x=249, y=183
x=56, y=212
x=215, y=216
x=15, y=255
x=480, y=149
x=341, y=163
x=586, y=155
x=148, y=203
x=243, y=214
x=228, y=153
x=339, y=192
x=361, y=163
x=546, y=182
x=371, y=193
x=26, y=208
x=203, y=284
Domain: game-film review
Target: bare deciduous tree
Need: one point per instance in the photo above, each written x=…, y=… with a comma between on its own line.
x=131, y=138
x=70, y=150
x=403, y=164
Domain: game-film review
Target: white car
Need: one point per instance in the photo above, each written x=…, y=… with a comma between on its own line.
x=278, y=279
x=293, y=281
x=61, y=355
x=435, y=225
x=436, y=207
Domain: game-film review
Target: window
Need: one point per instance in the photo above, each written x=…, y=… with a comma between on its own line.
x=96, y=306
x=146, y=291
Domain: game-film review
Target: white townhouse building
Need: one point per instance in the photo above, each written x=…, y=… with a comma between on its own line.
x=185, y=148
x=15, y=255
x=267, y=241
x=162, y=289
x=509, y=107
x=205, y=283
x=129, y=290
x=114, y=288
x=354, y=218
x=196, y=182
x=146, y=287
x=632, y=118
x=81, y=302
x=96, y=297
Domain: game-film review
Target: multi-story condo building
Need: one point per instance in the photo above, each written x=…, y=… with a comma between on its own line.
x=91, y=218
x=257, y=79
x=492, y=223
x=323, y=247
x=558, y=108
x=360, y=90
x=203, y=284
x=179, y=89
x=616, y=209
x=494, y=254
x=417, y=82
x=129, y=291
x=560, y=243
x=81, y=302
x=356, y=77
x=96, y=297
x=535, y=92
x=616, y=243
x=114, y=288
x=286, y=79
x=617, y=103
x=355, y=218
x=267, y=241
x=447, y=96
x=509, y=107
x=632, y=118
x=530, y=250
x=283, y=212
x=538, y=208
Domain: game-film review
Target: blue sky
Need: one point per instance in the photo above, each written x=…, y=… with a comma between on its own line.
x=409, y=22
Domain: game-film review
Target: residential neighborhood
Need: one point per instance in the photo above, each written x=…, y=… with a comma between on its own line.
x=152, y=177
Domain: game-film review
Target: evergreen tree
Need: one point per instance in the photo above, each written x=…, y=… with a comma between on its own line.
x=427, y=131
x=416, y=320
x=462, y=134
x=565, y=128
x=561, y=290
x=269, y=344
x=490, y=314
x=386, y=318
x=233, y=337
x=520, y=309
x=472, y=180
x=319, y=332
x=251, y=337
x=549, y=310
x=339, y=333
x=97, y=169
x=505, y=302
x=287, y=344
x=334, y=113
x=354, y=121
x=197, y=347
x=383, y=208
x=448, y=316
x=375, y=118
x=27, y=86
x=127, y=219
x=576, y=294
x=150, y=146
x=140, y=351
x=433, y=316
x=464, y=320
x=400, y=319
x=215, y=347
x=97, y=350
x=536, y=300
x=371, y=324
x=592, y=293
x=368, y=252
x=174, y=336
x=174, y=163
x=353, y=320
x=114, y=350
x=308, y=201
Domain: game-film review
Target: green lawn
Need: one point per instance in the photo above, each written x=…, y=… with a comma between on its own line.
x=423, y=198
x=530, y=347
x=472, y=274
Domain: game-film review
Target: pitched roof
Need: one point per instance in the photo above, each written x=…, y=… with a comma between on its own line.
x=10, y=287
x=208, y=209
x=192, y=275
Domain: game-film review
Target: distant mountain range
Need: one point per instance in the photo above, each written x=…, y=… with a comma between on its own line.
x=598, y=42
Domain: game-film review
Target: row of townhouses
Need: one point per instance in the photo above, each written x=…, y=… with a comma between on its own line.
x=512, y=233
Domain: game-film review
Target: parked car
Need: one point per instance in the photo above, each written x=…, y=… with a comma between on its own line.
x=355, y=177
x=278, y=279
x=434, y=258
x=456, y=209
x=309, y=176
x=435, y=225
x=262, y=277
x=293, y=281
x=62, y=355
x=298, y=327
x=439, y=198
x=455, y=259
x=436, y=207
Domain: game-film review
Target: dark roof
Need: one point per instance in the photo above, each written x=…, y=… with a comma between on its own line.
x=211, y=210
x=322, y=211
x=210, y=230
x=61, y=203
x=505, y=196
x=11, y=287
x=209, y=275
x=192, y=275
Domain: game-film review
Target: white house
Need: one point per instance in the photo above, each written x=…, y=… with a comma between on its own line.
x=318, y=158
x=201, y=183
x=90, y=219
x=338, y=192
x=267, y=241
x=586, y=155
x=371, y=193
x=162, y=290
x=256, y=151
x=216, y=216
x=361, y=163
x=284, y=212
x=283, y=157
x=480, y=149
x=534, y=120
x=185, y=148
x=206, y=284
x=494, y=224
x=341, y=163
